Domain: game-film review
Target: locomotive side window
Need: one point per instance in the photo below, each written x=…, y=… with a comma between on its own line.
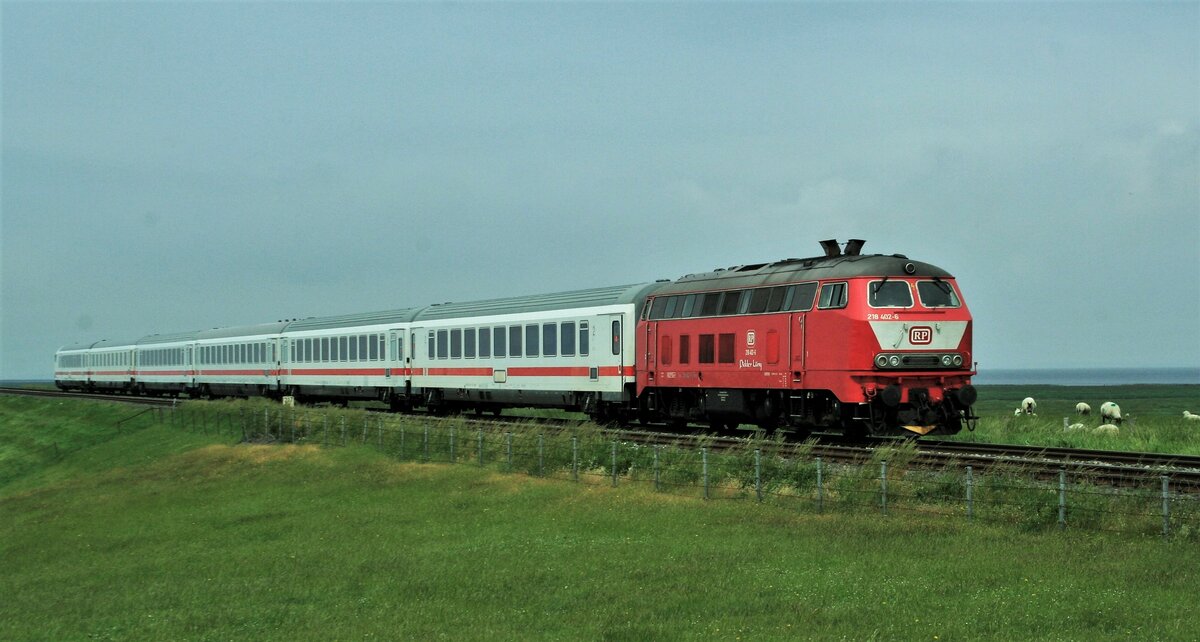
x=706, y=348
x=685, y=348
x=889, y=294
x=664, y=350
x=725, y=348
x=672, y=307
x=658, y=309
x=689, y=306
x=759, y=299
x=833, y=295
x=800, y=296
x=731, y=301
x=937, y=294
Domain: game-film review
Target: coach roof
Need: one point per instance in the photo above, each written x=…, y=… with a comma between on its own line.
x=595, y=297
x=352, y=320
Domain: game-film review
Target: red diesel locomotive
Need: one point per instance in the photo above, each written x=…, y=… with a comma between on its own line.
x=865, y=344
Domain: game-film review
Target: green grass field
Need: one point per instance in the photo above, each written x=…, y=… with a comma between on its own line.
x=160, y=533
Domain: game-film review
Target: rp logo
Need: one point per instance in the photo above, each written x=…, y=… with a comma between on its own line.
x=920, y=335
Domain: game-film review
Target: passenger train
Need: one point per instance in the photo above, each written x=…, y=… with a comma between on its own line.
x=862, y=344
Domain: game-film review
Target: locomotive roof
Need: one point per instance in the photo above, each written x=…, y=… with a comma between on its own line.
x=810, y=269
x=635, y=294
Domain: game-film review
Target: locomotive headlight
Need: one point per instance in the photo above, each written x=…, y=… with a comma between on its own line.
x=957, y=360
x=945, y=361
x=894, y=361
x=881, y=361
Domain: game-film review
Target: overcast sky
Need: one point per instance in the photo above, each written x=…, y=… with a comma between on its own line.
x=169, y=167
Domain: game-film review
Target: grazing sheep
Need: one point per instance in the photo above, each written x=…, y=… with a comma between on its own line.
x=1110, y=413
x=1076, y=427
x=1083, y=408
x=1028, y=406
x=1106, y=429
x=1190, y=417
x=1017, y=412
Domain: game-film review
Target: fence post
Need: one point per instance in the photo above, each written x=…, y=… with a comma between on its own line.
x=453, y=459
x=820, y=488
x=614, y=463
x=293, y=426
x=704, y=464
x=481, y=446
x=1166, y=497
x=379, y=426
x=266, y=421
x=325, y=429
x=402, y=431
x=342, y=423
x=970, y=495
x=1064, y=423
x=656, y=484
x=883, y=486
x=279, y=422
x=758, y=473
x=426, y=443
x=541, y=455
x=1062, y=498
x=242, y=416
x=575, y=458
x=364, y=439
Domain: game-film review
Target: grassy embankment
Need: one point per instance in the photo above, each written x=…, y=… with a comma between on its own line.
x=159, y=533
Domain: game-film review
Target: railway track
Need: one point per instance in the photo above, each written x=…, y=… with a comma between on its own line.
x=1116, y=467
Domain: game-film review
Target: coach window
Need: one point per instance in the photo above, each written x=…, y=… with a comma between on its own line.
x=456, y=343
x=616, y=337
x=833, y=295
x=432, y=353
x=498, y=341
x=531, y=340
x=685, y=349
x=725, y=348
x=801, y=296
x=889, y=294
x=707, y=353
x=584, y=335
x=485, y=343
x=568, y=338
x=335, y=348
x=469, y=343
x=514, y=340
x=326, y=353
x=549, y=339
x=381, y=342
x=443, y=344
x=354, y=348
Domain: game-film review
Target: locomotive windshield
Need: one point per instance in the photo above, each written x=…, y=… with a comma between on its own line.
x=889, y=294
x=937, y=294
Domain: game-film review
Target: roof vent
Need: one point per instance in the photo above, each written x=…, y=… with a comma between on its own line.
x=831, y=248
x=854, y=246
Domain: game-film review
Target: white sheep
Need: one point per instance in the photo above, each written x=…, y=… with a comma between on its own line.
x=1083, y=408
x=1076, y=427
x=1017, y=412
x=1106, y=429
x=1110, y=413
x=1190, y=417
x=1028, y=406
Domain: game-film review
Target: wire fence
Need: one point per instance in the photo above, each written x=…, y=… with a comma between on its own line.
x=764, y=471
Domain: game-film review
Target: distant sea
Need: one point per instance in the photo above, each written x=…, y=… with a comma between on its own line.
x=1086, y=376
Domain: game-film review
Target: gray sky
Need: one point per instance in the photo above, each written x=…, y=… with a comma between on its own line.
x=169, y=167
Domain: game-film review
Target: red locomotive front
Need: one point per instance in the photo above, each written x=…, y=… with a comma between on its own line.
x=865, y=344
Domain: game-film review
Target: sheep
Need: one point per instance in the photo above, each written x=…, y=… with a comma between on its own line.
x=1190, y=417
x=1028, y=406
x=1017, y=412
x=1106, y=429
x=1083, y=409
x=1110, y=413
x=1076, y=427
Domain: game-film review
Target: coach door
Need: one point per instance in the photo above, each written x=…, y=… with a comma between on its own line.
x=618, y=346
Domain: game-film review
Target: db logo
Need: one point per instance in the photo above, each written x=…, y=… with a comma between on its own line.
x=750, y=338
x=920, y=335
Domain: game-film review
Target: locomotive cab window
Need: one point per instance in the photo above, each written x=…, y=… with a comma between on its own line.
x=833, y=295
x=889, y=294
x=937, y=294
